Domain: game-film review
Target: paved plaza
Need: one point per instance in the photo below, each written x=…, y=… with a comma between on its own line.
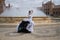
x=42, y=32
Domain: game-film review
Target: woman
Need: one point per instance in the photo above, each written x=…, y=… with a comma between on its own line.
x=30, y=26
x=26, y=25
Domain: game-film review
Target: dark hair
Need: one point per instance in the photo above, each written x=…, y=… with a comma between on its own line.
x=30, y=11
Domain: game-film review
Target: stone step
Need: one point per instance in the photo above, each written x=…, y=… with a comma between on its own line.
x=36, y=24
x=38, y=31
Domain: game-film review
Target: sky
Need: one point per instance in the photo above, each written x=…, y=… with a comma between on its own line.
x=29, y=2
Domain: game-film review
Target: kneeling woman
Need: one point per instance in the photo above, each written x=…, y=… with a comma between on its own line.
x=26, y=26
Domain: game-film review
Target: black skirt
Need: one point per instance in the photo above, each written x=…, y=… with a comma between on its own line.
x=22, y=27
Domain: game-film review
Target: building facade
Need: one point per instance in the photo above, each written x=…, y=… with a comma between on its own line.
x=51, y=9
x=2, y=4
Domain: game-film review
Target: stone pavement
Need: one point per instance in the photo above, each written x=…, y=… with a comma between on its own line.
x=42, y=32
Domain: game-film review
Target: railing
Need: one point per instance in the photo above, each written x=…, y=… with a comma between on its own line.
x=35, y=19
x=56, y=20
